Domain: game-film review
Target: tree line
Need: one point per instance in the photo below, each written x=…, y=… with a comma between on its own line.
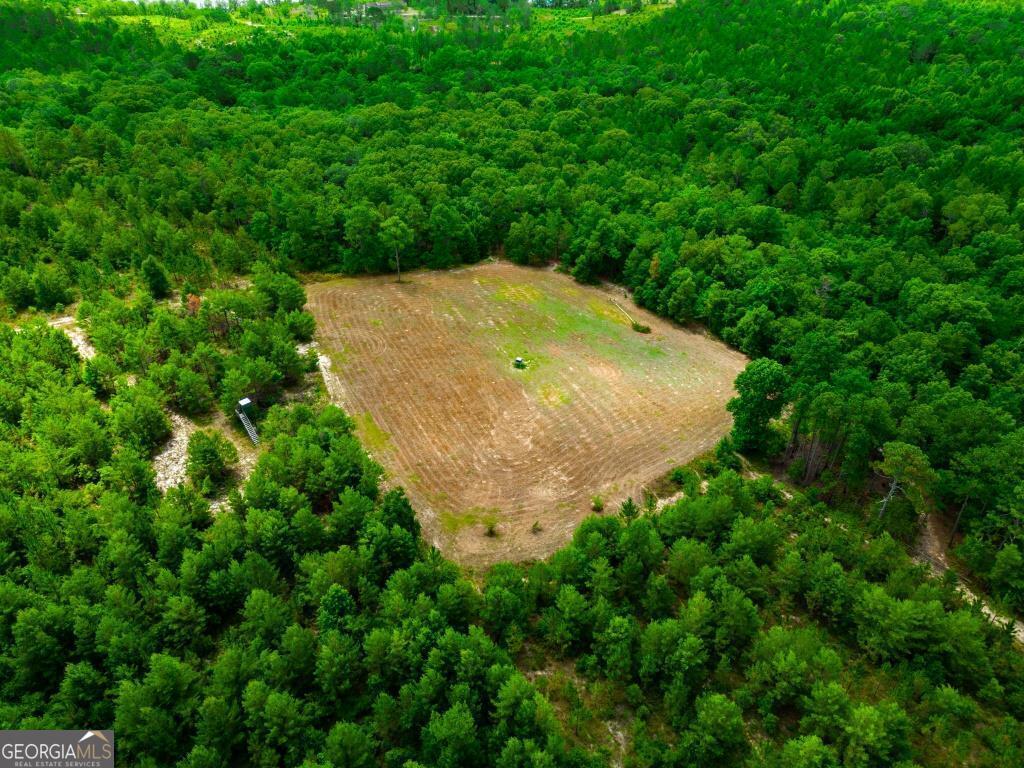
x=307, y=623
x=833, y=188
x=855, y=221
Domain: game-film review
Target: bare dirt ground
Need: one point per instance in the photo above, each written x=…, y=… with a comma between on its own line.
x=169, y=464
x=74, y=332
x=425, y=368
x=931, y=551
x=332, y=383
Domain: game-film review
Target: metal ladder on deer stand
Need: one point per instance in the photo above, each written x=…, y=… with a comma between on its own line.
x=250, y=430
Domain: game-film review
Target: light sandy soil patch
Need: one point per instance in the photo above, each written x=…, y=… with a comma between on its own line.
x=931, y=551
x=425, y=369
x=74, y=332
x=248, y=454
x=169, y=465
x=171, y=462
x=332, y=383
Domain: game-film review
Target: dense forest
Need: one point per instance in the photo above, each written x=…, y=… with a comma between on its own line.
x=831, y=187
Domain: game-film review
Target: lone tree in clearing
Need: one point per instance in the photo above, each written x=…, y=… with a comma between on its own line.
x=395, y=234
x=211, y=459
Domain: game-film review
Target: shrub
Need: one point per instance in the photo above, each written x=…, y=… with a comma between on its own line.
x=1007, y=576
x=301, y=325
x=100, y=374
x=138, y=417
x=725, y=455
x=211, y=458
x=155, y=278
x=193, y=394
x=51, y=286
x=280, y=291
x=16, y=289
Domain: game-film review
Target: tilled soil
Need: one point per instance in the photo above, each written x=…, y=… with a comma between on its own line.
x=502, y=463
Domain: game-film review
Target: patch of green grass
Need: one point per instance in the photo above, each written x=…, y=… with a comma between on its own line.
x=521, y=293
x=569, y=21
x=655, y=351
x=373, y=437
x=548, y=319
x=192, y=32
x=553, y=395
x=453, y=522
x=607, y=310
x=439, y=500
x=338, y=357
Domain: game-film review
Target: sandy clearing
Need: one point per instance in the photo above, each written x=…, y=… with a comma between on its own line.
x=931, y=551
x=74, y=332
x=171, y=462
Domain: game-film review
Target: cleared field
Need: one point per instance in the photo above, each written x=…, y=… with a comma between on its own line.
x=425, y=368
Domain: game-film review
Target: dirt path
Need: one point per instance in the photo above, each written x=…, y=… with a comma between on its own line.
x=930, y=550
x=669, y=500
x=74, y=332
x=781, y=481
x=611, y=732
x=335, y=389
x=169, y=464
x=248, y=454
